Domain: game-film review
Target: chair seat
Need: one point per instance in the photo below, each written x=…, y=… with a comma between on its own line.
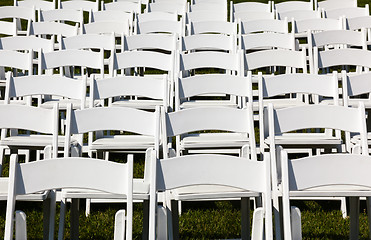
x=306, y=139
x=205, y=103
x=205, y=140
x=123, y=142
x=4, y=182
x=63, y=103
x=31, y=141
x=140, y=192
x=279, y=103
x=139, y=104
x=204, y=192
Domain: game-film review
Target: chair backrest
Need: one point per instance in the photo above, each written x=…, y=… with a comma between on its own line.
x=16, y=14
x=357, y=23
x=291, y=60
x=154, y=16
x=210, y=118
x=210, y=59
x=160, y=26
x=349, y=12
x=33, y=119
x=208, y=84
x=205, y=15
x=256, y=41
x=112, y=16
x=90, y=41
x=149, y=42
x=300, y=15
x=180, y=8
x=341, y=57
x=25, y=43
x=16, y=61
x=71, y=58
x=145, y=59
x=317, y=24
x=235, y=172
x=119, y=28
x=57, y=15
x=334, y=4
x=355, y=86
x=123, y=6
x=114, y=118
x=53, y=29
x=37, y=4
x=246, y=7
x=263, y=25
x=293, y=5
x=311, y=176
x=59, y=173
x=216, y=42
x=220, y=27
x=152, y=88
x=254, y=16
x=85, y=5
x=54, y=85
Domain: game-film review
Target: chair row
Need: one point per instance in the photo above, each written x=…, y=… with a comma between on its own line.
x=218, y=166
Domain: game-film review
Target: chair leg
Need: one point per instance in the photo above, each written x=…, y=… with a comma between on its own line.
x=120, y=225
x=62, y=217
x=175, y=219
x=20, y=225
x=277, y=217
x=368, y=202
x=75, y=219
x=87, y=207
x=354, y=218
x=145, y=219
x=343, y=207
x=46, y=218
x=52, y=211
x=161, y=228
x=296, y=223
x=258, y=224
x=245, y=218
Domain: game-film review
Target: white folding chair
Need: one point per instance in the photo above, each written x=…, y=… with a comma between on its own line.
x=357, y=23
x=132, y=91
x=18, y=62
x=59, y=173
x=243, y=177
x=104, y=43
x=302, y=27
x=53, y=30
x=285, y=120
x=346, y=57
x=356, y=89
x=234, y=130
x=314, y=176
x=17, y=14
x=303, y=89
x=72, y=16
x=335, y=39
